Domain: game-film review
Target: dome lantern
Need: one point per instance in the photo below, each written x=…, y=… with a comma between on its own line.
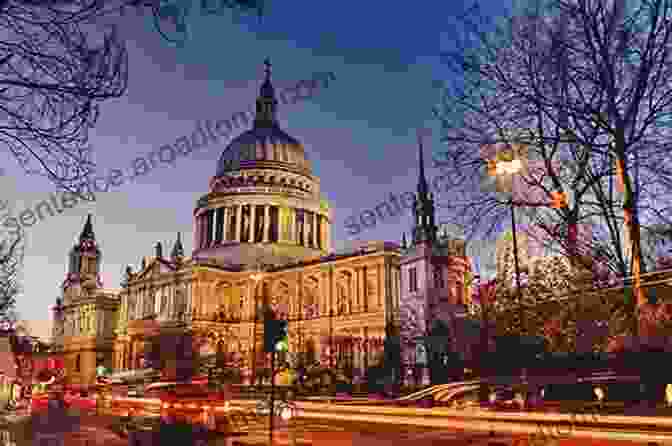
x=265, y=141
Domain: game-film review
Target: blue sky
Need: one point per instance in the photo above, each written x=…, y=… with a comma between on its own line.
x=359, y=132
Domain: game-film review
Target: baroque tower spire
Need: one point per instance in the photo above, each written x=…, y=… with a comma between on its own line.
x=424, y=229
x=85, y=257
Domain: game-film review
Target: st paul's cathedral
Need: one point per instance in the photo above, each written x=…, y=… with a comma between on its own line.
x=262, y=238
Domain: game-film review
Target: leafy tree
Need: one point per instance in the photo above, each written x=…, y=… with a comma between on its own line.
x=575, y=90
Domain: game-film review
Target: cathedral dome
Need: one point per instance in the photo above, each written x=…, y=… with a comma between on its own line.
x=262, y=143
x=266, y=142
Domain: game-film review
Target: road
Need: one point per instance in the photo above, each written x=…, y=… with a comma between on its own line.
x=344, y=433
x=88, y=429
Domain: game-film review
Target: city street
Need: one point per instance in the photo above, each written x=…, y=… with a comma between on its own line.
x=88, y=429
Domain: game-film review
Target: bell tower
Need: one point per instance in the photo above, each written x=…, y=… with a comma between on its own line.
x=84, y=265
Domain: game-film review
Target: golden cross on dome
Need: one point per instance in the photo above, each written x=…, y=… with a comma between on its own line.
x=267, y=69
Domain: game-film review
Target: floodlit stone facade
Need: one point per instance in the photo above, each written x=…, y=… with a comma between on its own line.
x=261, y=239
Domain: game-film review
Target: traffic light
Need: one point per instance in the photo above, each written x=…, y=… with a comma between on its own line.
x=282, y=341
x=559, y=200
x=270, y=334
x=275, y=335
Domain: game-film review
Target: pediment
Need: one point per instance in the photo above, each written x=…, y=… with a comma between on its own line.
x=157, y=267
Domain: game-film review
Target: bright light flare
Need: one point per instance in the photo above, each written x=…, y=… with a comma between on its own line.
x=508, y=168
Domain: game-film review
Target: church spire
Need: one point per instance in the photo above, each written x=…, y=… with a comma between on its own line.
x=87, y=232
x=178, y=250
x=266, y=103
x=424, y=229
x=422, y=181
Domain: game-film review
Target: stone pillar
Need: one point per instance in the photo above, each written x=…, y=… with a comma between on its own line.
x=225, y=222
x=204, y=229
x=315, y=234
x=305, y=229
x=213, y=229
x=365, y=295
x=327, y=234
x=381, y=280
x=197, y=232
x=267, y=223
x=213, y=226
x=361, y=293
x=292, y=225
x=239, y=217
x=253, y=218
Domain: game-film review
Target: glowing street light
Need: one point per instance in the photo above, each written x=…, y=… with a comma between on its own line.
x=508, y=167
x=286, y=414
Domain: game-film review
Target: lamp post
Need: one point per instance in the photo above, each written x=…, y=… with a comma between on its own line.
x=511, y=168
x=521, y=310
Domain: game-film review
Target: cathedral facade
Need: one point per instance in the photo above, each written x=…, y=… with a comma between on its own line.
x=261, y=239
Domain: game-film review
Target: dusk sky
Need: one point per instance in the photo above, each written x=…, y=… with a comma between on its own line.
x=359, y=133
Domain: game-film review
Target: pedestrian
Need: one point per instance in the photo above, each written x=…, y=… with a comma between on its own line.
x=668, y=395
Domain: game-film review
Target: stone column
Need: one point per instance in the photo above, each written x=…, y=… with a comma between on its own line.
x=292, y=225
x=253, y=220
x=361, y=289
x=365, y=291
x=197, y=232
x=315, y=234
x=305, y=228
x=225, y=222
x=204, y=229
x=213, y=228
x=239, y=216
x=381, y=279
x=267, y=223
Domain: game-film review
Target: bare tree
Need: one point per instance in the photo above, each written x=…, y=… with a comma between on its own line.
x=578, y=91
x=53, y=77
x=170, y=17
x=11, y=262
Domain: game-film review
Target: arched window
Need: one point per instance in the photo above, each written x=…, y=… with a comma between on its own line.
x=78, y=363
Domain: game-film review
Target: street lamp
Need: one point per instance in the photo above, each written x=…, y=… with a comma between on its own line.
x=511, y=168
